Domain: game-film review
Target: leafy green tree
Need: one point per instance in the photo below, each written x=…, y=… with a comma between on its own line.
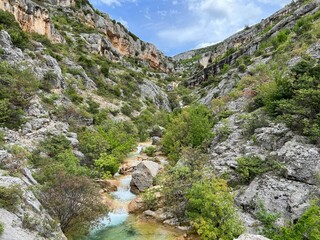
x=211, y=211
x=106, y=165
x=192, y=127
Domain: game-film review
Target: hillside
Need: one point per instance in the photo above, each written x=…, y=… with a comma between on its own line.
x=237, y=123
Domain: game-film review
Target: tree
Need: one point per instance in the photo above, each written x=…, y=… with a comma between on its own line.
x=211, y=211
x=74, y=201
x=192, y=127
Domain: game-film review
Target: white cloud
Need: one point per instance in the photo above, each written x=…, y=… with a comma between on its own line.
x=275, y=2
x=114, y=2
x=205, y=44
x=212, y=21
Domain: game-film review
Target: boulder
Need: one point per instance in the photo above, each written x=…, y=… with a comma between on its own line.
x=156, y=141
x=143, y=175
x=136, y=205
x=278, y=195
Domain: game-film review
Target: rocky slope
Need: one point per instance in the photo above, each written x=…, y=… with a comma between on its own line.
x=111, y=38
x=88, y=69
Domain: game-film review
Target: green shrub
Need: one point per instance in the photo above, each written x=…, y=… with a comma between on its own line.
x=150, y=151
x=10, y=197
x=1, y=228
x=49, y=80
x=268, y=221
x=250, y=167
x=106, y=165
x=217, y=220
x=307, y=227
x=191, y=127
x=16, y=89
x=18, y=37
x=150, y=199
x=294, y=99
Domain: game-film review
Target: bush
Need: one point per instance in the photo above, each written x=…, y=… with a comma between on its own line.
x=217, y=220
x=10, y=197
x=250, y=167
x=191, y=127
x=307, y=227
x=74, y=201
x=18, y=37
x=294, y=99
x=107, y=165
x=150, y=151
x=16, y=89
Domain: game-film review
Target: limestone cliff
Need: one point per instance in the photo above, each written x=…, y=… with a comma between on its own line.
x=36, y=16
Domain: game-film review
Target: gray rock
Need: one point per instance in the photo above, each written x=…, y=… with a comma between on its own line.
x=150, y=90
x=278, y=195
x=172, y=222
x=302, y=161
x=314, y=50
x=149, y=213
x=247, y=236
x=143, y=175
x=156, y=140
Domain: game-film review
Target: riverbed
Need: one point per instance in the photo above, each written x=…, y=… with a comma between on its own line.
x=119, y=224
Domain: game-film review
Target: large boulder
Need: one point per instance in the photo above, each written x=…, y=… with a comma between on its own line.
x=143, y=175
x=278, y=195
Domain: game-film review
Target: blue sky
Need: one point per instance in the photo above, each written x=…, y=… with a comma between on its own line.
x=175, y=26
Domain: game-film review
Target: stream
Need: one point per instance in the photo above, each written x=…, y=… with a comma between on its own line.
x=120, y=225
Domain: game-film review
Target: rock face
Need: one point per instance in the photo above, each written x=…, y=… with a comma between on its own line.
x=29, y=221
x=151, y=91
x=32, y=17
x=143, y=175
x=112, y=39
x=247, y=42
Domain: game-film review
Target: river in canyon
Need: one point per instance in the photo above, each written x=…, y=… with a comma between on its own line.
x=119, y=224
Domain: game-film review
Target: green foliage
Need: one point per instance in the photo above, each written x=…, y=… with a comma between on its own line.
x=253, y=121
x=74, y=95
x=268, y=221
x=16, y=89
x=59, y=157
x=106, y=165
x=49, y=80
x=280, y=38
x=1, y=228
x=303, y=25
x=150, y=199
x=106, y=146
x=294, y=99
x=150, y=151
x=74, y=201
x=10, y=197
x=249, y=167
x=191, y=127
x=218, y=219
x=307, y=227
x=18, y=37
x=178, y=180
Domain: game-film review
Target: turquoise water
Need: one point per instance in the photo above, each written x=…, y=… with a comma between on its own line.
x=133, y=229
x=120, y=225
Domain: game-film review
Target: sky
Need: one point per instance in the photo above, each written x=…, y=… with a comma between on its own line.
x=176, y=26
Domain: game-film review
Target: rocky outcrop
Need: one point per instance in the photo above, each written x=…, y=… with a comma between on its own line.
x=32, y=17
x=29, y=221
x=247, y=42
x=143, y=176
x=150, y=90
